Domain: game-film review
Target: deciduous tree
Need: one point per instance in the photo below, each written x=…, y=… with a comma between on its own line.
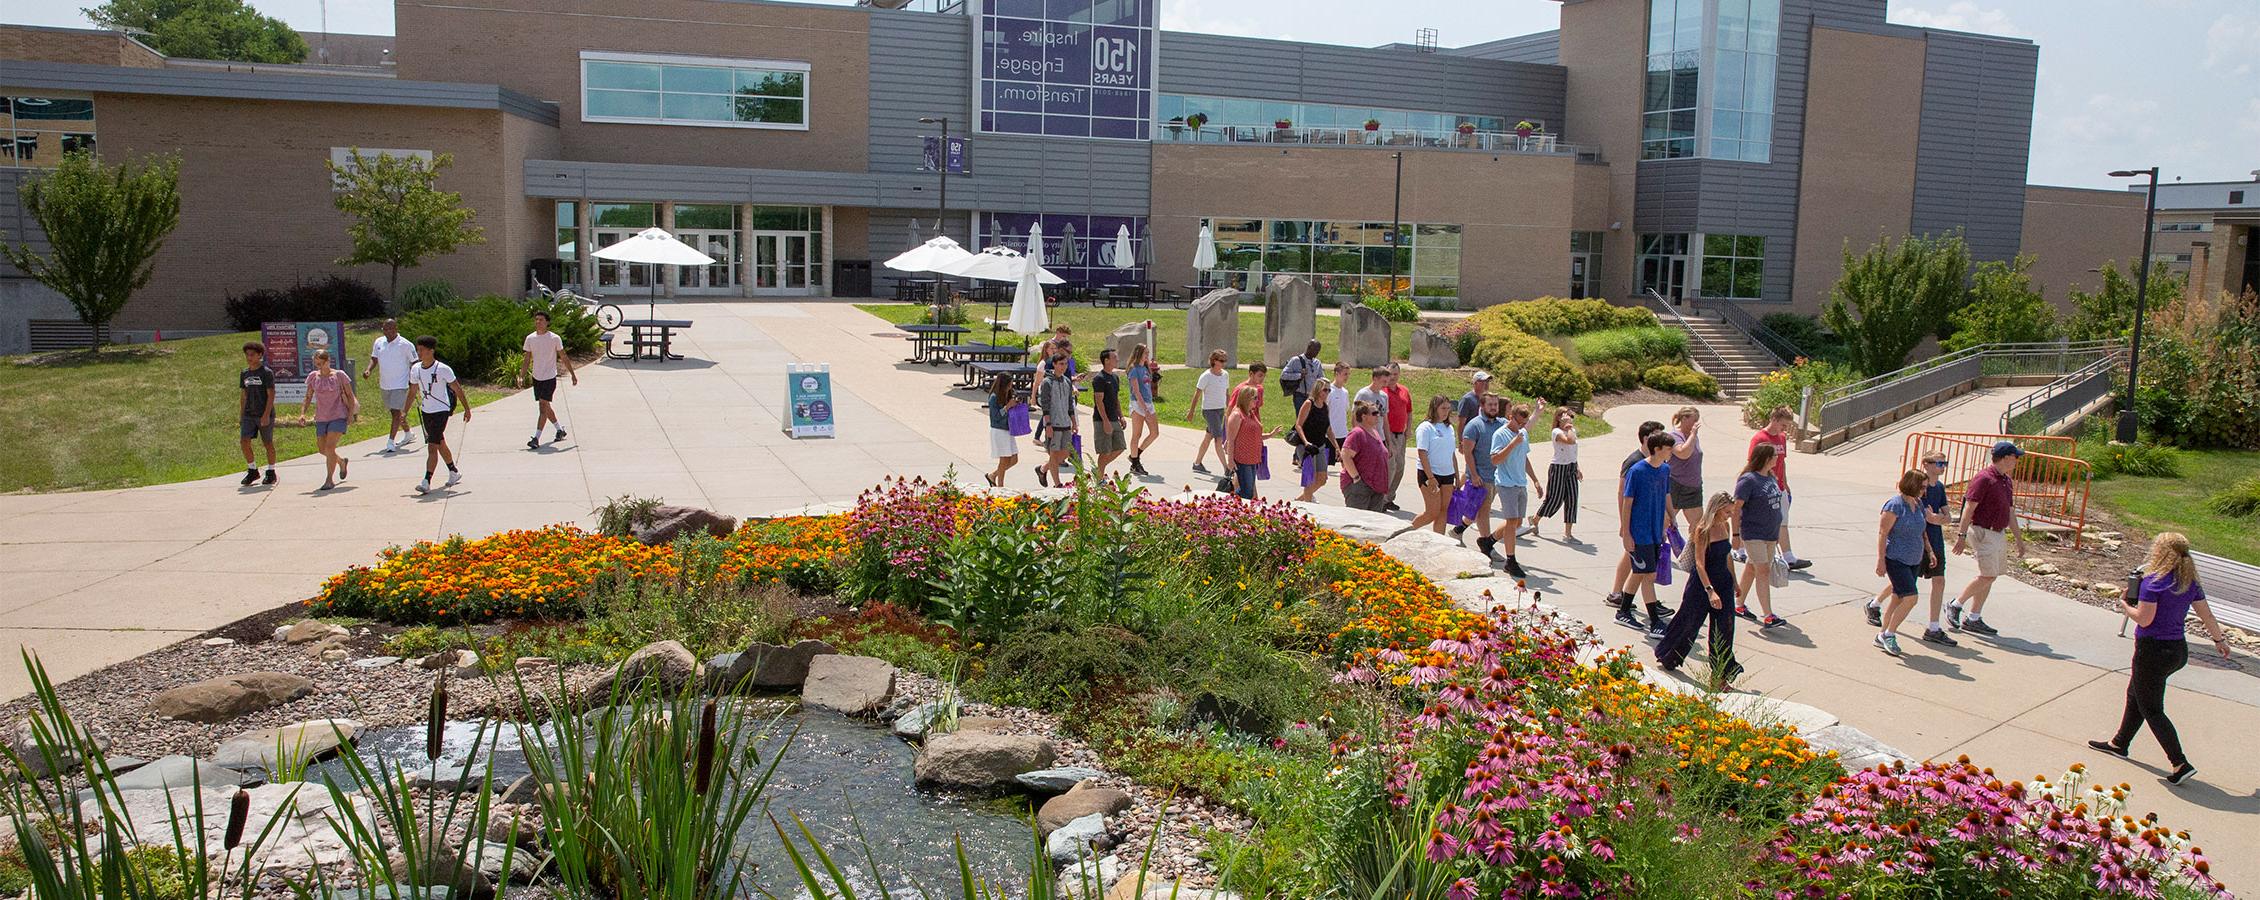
x=103, y=225
x=400, y=216
x=204, y=29
x=1891, y=296
x=2108, y=314
x=2004, y=308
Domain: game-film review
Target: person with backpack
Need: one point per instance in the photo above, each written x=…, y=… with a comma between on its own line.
x=1299, y=373
x=435, y=393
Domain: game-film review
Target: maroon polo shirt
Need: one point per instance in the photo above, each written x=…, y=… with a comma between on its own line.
x=1992, y=500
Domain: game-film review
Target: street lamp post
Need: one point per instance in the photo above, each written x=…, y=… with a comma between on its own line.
x=2127, y=419
x=1397, y=223
x=941, y=168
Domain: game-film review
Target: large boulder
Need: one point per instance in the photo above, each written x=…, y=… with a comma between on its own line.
x=1290, y=318
x=1130, y=335
x=228, y=696
x=856, y=685
x=1056, y=781
x=1085, y=799
x=1435, y=555
x=311, y=631
x=1071, y=842
x=667, y=666
x=1432, y=350
x=23, y=742
x=1213, y=323
x=766, y=665
x=666, y=523
x=979, y=760
x=1365, y=337
x=172, y=772
x=264, y=748
x=1357, y=524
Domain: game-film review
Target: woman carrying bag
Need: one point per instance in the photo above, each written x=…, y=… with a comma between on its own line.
x=1245, y=430
x=1313, y=437
x=1008, y=420
x=2166, y=595
x=1438, y=464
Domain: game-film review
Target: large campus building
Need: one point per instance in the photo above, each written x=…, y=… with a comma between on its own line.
x=1694, y=148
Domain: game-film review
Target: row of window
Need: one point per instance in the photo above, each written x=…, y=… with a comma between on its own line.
x=1341, y=258
x=38, y=131
x=1172, y=111
x=1710, y=81
x=663, y=90
x=1727, y=266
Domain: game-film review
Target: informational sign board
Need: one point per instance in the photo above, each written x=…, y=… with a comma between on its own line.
x=957, y=155
x=290, y=353
x=808, y=399
x=1066, y=68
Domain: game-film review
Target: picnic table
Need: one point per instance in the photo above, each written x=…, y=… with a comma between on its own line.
x=925, y=338
x=1130, y=293
x=968, y=354
x=1023, y=374
x=915, y=288
x=657, y=335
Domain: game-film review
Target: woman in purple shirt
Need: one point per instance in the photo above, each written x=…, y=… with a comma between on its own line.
x=2163, y=599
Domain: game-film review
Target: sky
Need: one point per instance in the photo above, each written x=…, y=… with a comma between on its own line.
x=2123, y=83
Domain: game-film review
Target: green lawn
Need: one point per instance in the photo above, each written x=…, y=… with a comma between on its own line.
x=148, y=414
x=1091, y=327
x=2178, y=504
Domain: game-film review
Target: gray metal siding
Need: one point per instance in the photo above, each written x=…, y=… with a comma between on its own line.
x=1544, y=48
x=565, y=179
x=1847, y=13
x=308, y=88
x=1976, y=136
x=1222, y=66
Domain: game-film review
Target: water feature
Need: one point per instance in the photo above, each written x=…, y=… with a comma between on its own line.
x=848, y=780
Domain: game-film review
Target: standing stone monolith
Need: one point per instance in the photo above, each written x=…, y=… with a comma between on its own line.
x=1365, y=337
x=1214, y=324
x=1431, y=350
x=1290, y=318
x=1131, y=334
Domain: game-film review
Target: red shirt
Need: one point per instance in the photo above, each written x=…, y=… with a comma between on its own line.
x=1780, y=457
x=1992, y=500
x=1373, y=458
x=1400, y=408
x=1247, y=440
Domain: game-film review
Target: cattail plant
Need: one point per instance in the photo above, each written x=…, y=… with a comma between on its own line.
x=703, y=769
x=239, y=815
x=436, y=723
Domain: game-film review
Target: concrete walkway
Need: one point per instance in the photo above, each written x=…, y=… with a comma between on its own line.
x=96, y=578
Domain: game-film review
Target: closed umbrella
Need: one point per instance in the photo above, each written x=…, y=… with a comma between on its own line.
x=654, y=247
x=1124, y=256
x=1001, y=264
x=1029, y=316
x=1204, y=253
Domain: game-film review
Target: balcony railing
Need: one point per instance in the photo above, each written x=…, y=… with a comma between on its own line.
x=1384, y=139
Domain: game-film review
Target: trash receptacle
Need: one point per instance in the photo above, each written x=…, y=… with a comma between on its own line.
x=851, y=278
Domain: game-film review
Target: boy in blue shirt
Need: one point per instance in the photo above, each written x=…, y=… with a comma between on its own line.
x=1641, y=513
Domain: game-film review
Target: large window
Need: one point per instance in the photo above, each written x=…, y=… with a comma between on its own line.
x=1077, y=247
x=1742, y=80
x=38, y=131
x=1226, y=116
x=1734, y=266
x=1675, y=59
x=1340, y=258
x=671, y=90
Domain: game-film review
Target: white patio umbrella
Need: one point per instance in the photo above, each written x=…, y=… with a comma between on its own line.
x=1000, y=264
x=1204, y=253
x=1124, y=256
x=931, y=256
x=1029, y=316
x=654, y=247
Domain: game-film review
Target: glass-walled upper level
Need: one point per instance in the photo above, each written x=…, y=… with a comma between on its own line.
x=1710, y=81
x=1192, y=117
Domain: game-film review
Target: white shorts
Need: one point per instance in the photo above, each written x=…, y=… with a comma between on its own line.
x=396, y=399
x=1141, y=408
x=1002, y=444
x=1991, y=549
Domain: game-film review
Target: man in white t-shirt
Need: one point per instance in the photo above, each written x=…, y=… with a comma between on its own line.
x=1214, y=388
x=545, y=351
x=390, y=356
x=437, y=395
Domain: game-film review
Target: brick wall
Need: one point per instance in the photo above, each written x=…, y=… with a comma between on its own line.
x=74, y=45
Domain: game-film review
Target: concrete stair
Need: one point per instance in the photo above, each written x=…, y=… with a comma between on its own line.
x=1745, y=361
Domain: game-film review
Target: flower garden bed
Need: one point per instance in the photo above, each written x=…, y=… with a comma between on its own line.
x=1378, y=739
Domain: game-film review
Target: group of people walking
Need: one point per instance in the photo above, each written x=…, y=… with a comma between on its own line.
x=409, y=376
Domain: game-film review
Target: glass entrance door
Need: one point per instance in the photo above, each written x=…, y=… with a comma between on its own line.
x=784, y=263
x=1666, y=275
x=612, y=275
x=719, y=278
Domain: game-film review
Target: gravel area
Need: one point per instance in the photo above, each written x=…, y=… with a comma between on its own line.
x=2102, y=560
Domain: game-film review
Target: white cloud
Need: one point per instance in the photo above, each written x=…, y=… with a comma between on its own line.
x=1197, y=16
x=1960, y=15
x=2229, y=42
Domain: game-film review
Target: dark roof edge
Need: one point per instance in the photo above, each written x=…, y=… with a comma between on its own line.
x=308, y=88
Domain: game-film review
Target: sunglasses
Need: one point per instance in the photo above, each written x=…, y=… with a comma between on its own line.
x=1935, y=462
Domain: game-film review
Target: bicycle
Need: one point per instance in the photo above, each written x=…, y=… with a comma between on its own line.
x=607, y=315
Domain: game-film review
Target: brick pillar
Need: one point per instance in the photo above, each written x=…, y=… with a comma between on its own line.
x=2200, y=269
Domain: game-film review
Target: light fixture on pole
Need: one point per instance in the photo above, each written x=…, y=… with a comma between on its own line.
x=941, y=169
x=1397, y=223
x=2127, y=420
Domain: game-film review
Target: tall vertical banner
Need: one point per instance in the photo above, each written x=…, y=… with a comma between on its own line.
x=290, y=353
x=808, y=400
x=952, y=153
x=1066, y=68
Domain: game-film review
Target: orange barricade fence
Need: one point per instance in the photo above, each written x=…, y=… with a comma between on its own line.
x=2051, y=480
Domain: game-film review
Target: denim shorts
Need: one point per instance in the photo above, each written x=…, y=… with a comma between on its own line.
x=331, y=426
x=1904, y=577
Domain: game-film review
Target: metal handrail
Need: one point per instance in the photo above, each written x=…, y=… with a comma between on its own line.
x=2102, y=366
x=2039, y=348
x=1778, y=348
x=1717, y=358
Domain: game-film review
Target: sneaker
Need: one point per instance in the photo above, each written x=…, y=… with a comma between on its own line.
x=1772, y=622
x=1201, y=469
x=1515, y=568
x=452, y=478
x=391, y=446
x=268, y=478
x=1733, y=673
x=1938, y=636
x=1888, y=643
x=559, y=438
x=327, y=486
x=1391, y=507
x=1744, y=612
x=1618, y=599
x=1628, y=619
x=2182, y=773
x=1954, y=616
x=2108, y=747
x=1489, y=546
x=250, y=477
x=1975, y=625
x=424, y=486
x=1046, y=481
x=1799, y=565
x=1657, y=625
x=533, y=443
x=1875, y=616
x=1459, y=532
x=1527, y=530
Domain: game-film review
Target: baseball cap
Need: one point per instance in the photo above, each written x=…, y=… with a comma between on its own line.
x=1481, y=375
x=2007, y=448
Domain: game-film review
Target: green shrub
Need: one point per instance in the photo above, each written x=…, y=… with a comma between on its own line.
x=1548, y=316
x=1646, y=346
x=1532, y=367
x=1681, y=380
x=2201, y=373
x=427, y=294
x=2240, y=500
x=1786, y=387
x=998, y=569
x=1811, y=338
x=1614, y=375
x=2138, y=460
x=1053, y=664
x=479, y=337
x=1395, y=309
x=2004, y=308
x=330, y=298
